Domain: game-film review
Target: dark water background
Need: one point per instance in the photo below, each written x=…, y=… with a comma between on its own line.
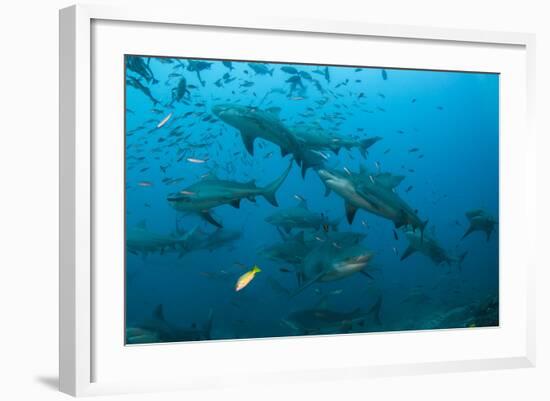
x=453, y=122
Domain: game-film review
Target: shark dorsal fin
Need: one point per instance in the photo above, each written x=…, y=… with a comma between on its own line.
x=142, y=224
x=158, y=313
x=274, y=110
x=388, y=180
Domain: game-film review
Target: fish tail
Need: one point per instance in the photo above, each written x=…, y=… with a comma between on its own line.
x=365, y=144
x=269, y=191
x=256, y=269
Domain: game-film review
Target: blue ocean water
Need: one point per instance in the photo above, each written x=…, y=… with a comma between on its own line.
x=439, y=132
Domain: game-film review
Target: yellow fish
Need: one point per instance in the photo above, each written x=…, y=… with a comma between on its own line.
x=246, y=278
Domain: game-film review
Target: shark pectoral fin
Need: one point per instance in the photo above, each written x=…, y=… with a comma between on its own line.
x=468, y=232
x=248, y=141
x=306, y=285
x=367, y=274
x=422, y=229
x=408, y=252
x=327, y=190
x=236, y=203
x=208, y=217
x=350, y=212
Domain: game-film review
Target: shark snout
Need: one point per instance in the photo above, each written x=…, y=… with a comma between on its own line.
x=218, y=110
x=355, y=263
x=326, y=175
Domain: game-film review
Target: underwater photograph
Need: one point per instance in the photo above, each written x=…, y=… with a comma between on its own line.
x=268, y=199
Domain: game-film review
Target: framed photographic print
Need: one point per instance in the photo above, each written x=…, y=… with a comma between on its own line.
x=358, y=189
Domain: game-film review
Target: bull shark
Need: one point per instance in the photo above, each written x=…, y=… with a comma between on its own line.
x=373, y=193
x=139, y=240
x=329, y=262
x=300, y=217
x=212, y=192
x=321, y=319
x=254, y=123
x=431, y=248
x=480, y=221
x=158, y=329
x=314, y=136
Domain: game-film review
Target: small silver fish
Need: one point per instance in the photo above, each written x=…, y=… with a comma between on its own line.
x=164, y=120
x=196, y=161
x=324, y=156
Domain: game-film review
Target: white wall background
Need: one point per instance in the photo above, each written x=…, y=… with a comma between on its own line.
x=29, y=187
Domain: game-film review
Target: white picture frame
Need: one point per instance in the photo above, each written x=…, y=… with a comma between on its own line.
x=77, y=367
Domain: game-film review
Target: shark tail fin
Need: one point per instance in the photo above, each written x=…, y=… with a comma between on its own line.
x=365, y=144
x=270, y=190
